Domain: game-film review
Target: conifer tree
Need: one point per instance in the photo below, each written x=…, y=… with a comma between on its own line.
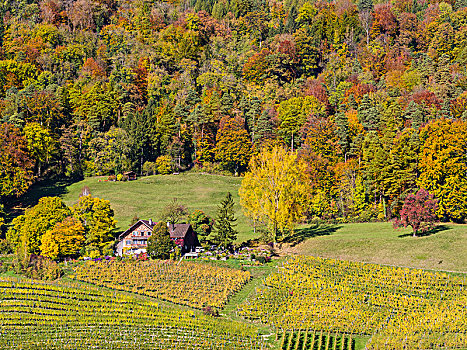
x=160, y=244
x=225, y=233
x=368, y=114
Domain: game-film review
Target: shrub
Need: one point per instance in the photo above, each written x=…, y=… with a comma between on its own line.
x=149, y=168
x=119, y=177
x=5, y=247
x=164, y=165
x=37, y=267
x=210, y=311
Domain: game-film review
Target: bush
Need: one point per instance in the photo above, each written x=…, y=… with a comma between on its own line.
x=37, y=267
x=210, y=311
x=119, y=177
x=5, y=247
x=164, y=165
x=149, y=168
x=211, y=168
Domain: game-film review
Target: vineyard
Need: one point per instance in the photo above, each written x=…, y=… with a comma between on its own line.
x=185, y=283
x=306, y=340
x=37, y=315
x=400, y=308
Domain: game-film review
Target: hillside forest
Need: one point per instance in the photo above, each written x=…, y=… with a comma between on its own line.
x=372, y=96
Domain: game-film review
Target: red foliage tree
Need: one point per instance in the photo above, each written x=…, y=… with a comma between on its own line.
x=419, y=212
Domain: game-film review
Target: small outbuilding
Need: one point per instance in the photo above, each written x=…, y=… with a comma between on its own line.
x=130, y=175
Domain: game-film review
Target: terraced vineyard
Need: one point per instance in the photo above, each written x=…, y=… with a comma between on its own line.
x=400, y=308
x=37, y=315
x=185, y=283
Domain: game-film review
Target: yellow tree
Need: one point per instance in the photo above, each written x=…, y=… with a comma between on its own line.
x=276, y=190
x=65, y=238
x=443, y=166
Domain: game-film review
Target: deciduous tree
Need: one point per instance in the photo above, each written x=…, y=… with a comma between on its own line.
x=276, y=190
x=97, y=217
x=419, y=212
x=443, y=166
x=27, y=230
x=66, y=238
x=233, y=147
x=202, y=224
x=16, y=166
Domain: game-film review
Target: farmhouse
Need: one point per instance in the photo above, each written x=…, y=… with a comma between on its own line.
x=135, y=239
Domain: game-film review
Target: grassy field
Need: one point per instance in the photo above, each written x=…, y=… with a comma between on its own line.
x=146, y=196
x=443, y=249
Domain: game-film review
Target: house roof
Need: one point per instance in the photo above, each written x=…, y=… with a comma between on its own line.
x=147, y=223
x=178, y=230
x=175, y=231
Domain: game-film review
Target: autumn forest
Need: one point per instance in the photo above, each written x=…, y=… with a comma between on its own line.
x=371, y=96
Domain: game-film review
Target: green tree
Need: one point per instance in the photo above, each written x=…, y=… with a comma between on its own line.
x=110, y=151
x=368, y=114
x=97, y=217
x=224, y=232
x=27, y=230
x=293, y=113
x=202, y=224
x=160, y=244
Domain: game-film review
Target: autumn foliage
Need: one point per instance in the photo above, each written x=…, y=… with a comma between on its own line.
x=419, y=212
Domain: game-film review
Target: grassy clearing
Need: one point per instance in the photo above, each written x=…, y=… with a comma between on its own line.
x=146, y=196
x=443, y=249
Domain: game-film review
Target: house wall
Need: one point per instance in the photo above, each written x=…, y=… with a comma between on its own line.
x=138, y=237
x=190, y=242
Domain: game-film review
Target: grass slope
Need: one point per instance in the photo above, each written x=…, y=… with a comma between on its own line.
x=444, y=249
x=146, y=196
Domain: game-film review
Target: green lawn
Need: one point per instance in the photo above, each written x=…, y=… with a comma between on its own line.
x=444, y=249
x=146, y=196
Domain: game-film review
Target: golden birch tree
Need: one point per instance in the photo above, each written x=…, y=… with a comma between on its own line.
x=276, y=191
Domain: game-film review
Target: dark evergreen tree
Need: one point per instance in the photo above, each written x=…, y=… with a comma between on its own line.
x=138, y=128
x=225, y=234
x=415, y=114
x=342, y=124
x=368, y=114
x=226, y=103
x=263, y=129
x=365, y=5
x=291, y=25
x=252, y=114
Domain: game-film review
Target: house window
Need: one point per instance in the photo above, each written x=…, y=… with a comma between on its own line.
x=128, y=242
